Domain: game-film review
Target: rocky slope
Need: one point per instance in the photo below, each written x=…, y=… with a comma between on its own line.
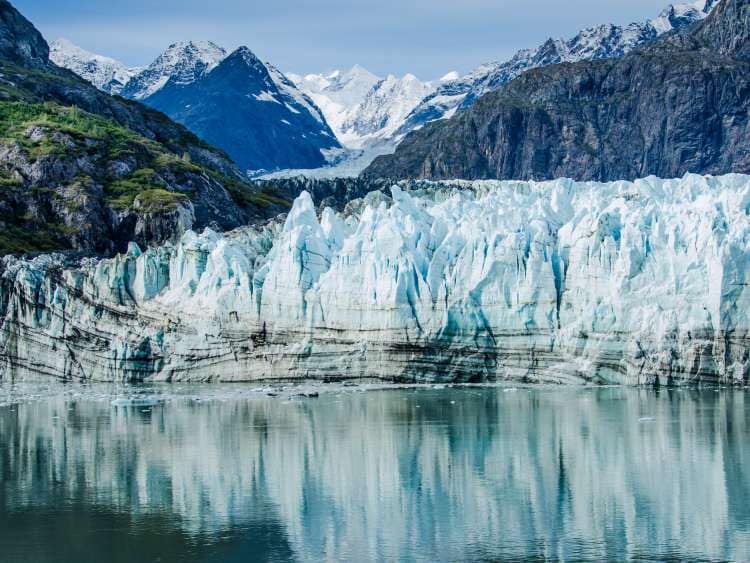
x=601, y=42
x=557, y=282
x=82, y=170
x=679, y=105
x=107, y=74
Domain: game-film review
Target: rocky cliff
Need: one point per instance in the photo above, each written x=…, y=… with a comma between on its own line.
x=547, y=282
x=679, y=105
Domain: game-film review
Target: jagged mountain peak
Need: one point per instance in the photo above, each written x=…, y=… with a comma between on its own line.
x=383, y=110
x=242, y=55
x=183, y=62
x=361, y=107
x=676, y=16
x=251, y=110
x=243, y=52
x=207, y=51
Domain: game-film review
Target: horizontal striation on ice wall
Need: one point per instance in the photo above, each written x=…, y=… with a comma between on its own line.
x=625, y=282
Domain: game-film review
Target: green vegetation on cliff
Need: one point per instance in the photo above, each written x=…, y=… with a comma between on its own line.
x=86, y=171
x=63, y=169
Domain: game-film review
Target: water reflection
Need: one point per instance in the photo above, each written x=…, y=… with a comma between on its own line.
x=452, y=474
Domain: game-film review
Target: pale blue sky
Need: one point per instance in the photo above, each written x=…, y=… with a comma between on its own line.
x=425, y=37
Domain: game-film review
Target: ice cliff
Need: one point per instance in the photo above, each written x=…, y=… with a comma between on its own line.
x=625, y=282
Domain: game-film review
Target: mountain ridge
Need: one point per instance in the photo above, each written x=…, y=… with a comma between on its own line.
x=181, y=63
x=598, y=42
x=186, y=79
x=678, y=105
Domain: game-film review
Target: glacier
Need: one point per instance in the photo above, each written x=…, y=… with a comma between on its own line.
x=641, y=282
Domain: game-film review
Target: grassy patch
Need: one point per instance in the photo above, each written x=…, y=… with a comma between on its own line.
x=15, y=239
x=160, y=201
x=120, y=194
x=8, y=181
x=244, y=196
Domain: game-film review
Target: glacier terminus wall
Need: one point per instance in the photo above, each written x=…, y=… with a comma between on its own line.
x=625, y=282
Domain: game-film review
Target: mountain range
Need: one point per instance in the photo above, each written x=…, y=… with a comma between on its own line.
x=105, y=73
x=600, y=42
x=362, y=108
x=234, y=101
x=362, y=112
x=680, y=104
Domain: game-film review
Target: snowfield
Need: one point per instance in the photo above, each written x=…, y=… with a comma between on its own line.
x=626, y=282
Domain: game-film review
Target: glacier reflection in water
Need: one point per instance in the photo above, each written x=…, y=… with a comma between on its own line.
x=225, y=474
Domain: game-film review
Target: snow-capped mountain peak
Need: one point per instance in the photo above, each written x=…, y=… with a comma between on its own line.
x=453, y=75
x=336, y=92
x=248, y=108
x=383, y=110
x=181, y=63
x=344, y=88
x=675, y=16
x=361, y=107
x=105, y=73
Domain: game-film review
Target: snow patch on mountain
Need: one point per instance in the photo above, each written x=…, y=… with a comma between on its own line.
x=287, y=87
x=105, y=73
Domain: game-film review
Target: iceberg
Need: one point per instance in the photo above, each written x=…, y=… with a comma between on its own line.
x=641, y=282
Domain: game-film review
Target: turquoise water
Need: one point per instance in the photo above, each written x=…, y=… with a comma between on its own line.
x=454, y=474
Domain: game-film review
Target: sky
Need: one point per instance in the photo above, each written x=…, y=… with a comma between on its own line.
x=427, y=38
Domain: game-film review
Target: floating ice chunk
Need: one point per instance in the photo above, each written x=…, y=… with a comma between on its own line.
x=137, y=402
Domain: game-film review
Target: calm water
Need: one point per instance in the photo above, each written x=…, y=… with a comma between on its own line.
x=230, y=474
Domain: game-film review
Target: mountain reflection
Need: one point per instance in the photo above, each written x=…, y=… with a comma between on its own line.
x=449, y=474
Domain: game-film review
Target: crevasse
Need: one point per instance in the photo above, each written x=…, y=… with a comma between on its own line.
x=626, y=282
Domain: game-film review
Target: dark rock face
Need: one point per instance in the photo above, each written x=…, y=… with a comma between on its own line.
x=728, y=32
x=680, y=105
x=253, y=112
x=594, y=43
x=20, y=42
